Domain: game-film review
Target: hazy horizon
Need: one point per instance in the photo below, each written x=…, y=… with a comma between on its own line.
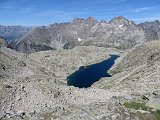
x=71, y=21
x=42, y=13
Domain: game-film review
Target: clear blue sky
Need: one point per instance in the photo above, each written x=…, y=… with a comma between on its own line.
x=44, y=12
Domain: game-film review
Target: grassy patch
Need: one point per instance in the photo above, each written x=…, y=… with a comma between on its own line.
x=157, y=114
x=136, y=105
x=141, y=106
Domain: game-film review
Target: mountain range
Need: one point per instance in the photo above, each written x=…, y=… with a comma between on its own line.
x=119, y=32
x=33, y=86
x=10, y=33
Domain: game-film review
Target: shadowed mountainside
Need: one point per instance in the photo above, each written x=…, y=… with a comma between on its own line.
x=10, y=33
x=119, y=33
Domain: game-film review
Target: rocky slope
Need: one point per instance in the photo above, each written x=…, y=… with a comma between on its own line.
x=154, y=26
x=10, y=33
x=55, y=36
x=138, y=66
x=138, y=74
x=119, y=33
x=3, y=43
x=36, y=89
x=33, y=87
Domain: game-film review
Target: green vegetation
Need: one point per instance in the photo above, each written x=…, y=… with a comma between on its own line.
x=157, y=114
x=136, y=105
x=141, y=106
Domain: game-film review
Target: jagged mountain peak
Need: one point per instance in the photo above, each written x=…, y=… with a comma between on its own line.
x=119, y=32
x=89, y=20
x=120, y=20
x=79, y=20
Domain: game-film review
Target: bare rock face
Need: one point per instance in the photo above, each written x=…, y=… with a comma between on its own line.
x=152, y=30
x=154, y=26
x=90, y=21
x=37, y=44
x=119, y=33
x=120, y=20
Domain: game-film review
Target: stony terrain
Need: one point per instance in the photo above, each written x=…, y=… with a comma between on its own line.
x=154, y=26
x=139, y=68
x=3, y=43
x=14, y=32
x=138, y=74
x=118, y=33
x=33, y=87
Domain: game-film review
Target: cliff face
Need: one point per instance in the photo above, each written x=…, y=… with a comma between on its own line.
x=119, y=33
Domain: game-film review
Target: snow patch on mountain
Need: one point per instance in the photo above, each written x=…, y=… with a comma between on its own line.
x=120, y=26
x=79, y=39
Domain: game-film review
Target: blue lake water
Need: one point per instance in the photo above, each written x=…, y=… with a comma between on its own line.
x=87, y=75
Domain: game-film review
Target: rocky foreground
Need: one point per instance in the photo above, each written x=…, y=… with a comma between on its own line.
x=33, y=87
